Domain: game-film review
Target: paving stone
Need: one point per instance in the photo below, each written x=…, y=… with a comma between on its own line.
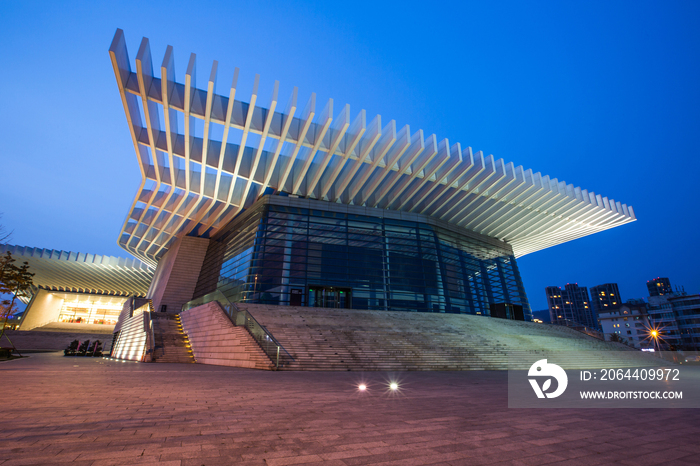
x=112, y=413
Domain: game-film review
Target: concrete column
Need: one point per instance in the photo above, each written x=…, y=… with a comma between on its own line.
x=177, y=273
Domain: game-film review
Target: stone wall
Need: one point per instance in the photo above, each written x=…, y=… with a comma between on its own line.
x=44, y=308
x=176, y=275
x=216, y=341
x=55, y=341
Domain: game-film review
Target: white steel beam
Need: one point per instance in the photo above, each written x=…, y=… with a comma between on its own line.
x=337, y=131
x=193, y=185
x=403, y=141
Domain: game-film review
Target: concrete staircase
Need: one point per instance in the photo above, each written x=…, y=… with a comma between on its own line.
x=215, y=340
x=171, y=343
x=75, y=328
x=344, y=339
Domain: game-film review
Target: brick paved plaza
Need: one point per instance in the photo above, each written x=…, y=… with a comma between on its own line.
x=88, y=411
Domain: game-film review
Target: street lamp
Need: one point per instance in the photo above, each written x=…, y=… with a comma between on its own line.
x=654, y=335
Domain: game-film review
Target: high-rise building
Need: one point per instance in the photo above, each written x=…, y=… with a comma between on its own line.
x=571, y=304
x=659, y=287
x=605, y=297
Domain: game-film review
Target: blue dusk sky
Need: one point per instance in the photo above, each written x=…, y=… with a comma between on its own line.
x=601, y=94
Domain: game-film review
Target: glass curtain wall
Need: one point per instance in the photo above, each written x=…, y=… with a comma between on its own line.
x=294, y=256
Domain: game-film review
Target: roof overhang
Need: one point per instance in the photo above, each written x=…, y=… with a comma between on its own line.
x=205, y=157
x=78, y=272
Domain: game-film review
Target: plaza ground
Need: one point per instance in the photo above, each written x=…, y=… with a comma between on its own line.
x=91, y=411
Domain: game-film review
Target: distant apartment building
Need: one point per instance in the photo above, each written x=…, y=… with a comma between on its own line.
x=627, y=323
x=605, y=297
x=659, y=287
x=570, y=304
x=676, y=315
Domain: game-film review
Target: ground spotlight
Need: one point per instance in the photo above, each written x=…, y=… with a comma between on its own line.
x=362, y=387
x=394, y=385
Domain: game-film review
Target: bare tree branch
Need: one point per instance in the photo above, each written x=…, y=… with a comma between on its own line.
x=4, y=234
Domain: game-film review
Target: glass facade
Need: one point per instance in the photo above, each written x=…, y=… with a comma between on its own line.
x=89, y=313
x=284, y=255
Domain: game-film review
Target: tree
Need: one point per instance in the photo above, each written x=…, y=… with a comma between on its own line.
x=4, y=234
x=7, y=309
x=13, y=279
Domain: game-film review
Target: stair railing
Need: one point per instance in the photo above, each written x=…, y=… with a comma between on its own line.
x=242, y=318
x=150, y=337
x=579, y=328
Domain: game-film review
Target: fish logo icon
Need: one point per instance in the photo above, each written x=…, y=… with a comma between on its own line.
x=544, y=369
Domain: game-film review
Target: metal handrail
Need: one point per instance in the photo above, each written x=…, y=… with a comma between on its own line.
x=150, y=337
x=267, y=338
x=579, y=328
x=242, y=318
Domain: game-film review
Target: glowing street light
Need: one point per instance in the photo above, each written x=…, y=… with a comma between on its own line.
x=362, y=387
x=393, y=386
x=654, y=333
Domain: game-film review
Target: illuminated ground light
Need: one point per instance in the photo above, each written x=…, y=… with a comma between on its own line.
x=362, y=387
x=393, y=387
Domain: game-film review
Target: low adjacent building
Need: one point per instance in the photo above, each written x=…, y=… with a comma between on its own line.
x=542, y=316
x=628, y=323
x=662, y=318
x=686, y=309
x=77, y=290
x=676, y=315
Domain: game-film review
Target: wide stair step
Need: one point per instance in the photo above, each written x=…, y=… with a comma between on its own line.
x=345, y=339
x=171, y=344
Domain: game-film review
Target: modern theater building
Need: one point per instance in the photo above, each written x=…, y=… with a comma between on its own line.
x=285, y=200
x=289, y=201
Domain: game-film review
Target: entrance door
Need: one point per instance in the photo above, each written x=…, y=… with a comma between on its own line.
x=330, y=296
x=295, y=297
